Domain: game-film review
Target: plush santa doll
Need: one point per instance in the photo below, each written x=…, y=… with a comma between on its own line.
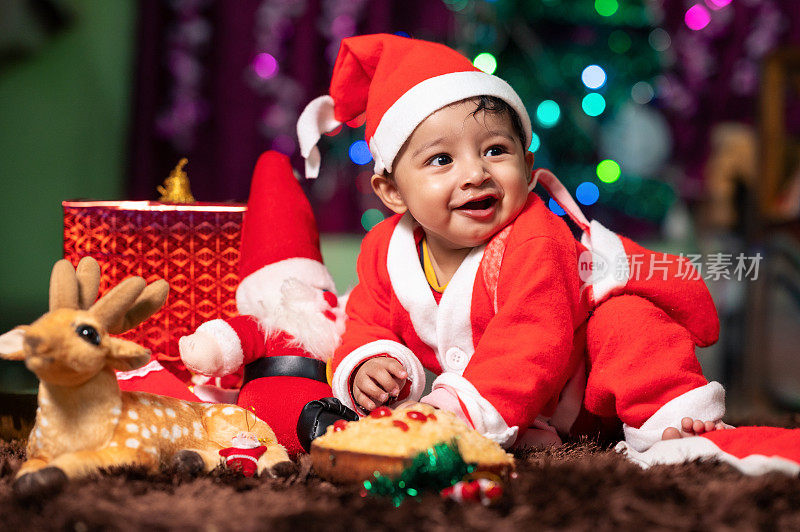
x=243, y=455
x=290, y=317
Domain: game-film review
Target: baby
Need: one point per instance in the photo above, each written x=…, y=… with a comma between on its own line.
x=476, y=280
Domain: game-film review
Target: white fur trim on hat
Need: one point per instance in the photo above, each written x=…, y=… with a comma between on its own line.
x=261, y=290
x=428, y=96
x=485, y=417
x=317, y=118
x=341, y=378
x=706, y=403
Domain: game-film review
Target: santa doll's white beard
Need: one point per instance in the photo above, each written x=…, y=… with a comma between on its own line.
x=300, y=313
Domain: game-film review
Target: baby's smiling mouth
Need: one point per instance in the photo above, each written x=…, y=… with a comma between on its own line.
x=479, y=204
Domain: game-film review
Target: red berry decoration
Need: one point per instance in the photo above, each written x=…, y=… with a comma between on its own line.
x=339, y=424
x=417, y=416
x=399, y=424
x=493, y=492
x=381, y=411
x=482, y=490
x=471, y=491
x=431, y=416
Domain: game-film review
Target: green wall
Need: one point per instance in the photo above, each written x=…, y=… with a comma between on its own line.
x=64, y=114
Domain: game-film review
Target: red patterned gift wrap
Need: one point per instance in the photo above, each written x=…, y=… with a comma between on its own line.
x=195, y=247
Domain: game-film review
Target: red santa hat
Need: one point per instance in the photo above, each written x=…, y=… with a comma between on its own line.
x=398, y=82
x=279, y=238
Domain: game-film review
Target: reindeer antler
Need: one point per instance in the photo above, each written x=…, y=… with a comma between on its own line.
x=71, y=289
x=88, y=274
x=148, y=303
x=63, y=286
x=130, y=303
x=124, y=307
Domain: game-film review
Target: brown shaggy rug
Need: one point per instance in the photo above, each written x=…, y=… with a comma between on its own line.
x=580, y=486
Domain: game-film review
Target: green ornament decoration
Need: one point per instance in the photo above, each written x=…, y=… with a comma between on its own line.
x=434, y=469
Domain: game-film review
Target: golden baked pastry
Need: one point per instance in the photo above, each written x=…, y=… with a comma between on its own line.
x=387, y=440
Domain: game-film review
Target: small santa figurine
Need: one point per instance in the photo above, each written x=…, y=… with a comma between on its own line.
x=290, y=317
x=243, y=455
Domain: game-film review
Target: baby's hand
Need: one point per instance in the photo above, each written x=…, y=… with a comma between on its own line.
x=377, y=380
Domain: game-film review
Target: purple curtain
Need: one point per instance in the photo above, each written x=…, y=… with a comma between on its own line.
x=716, y=72
x=194, y=94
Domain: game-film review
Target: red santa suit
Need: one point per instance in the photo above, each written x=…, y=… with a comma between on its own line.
x=506, y=338
x=290, y=319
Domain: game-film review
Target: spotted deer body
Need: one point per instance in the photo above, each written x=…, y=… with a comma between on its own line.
x=84, y=422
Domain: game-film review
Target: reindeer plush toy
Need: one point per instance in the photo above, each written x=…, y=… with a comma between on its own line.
x=84, y=423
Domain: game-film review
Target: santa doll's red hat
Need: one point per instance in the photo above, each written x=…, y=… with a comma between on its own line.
x=280, y=239
x=397, y=82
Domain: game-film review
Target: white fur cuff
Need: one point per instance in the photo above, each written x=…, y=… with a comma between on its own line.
x=682, y=450
x=412, y=365
x=229, y=344
x=485, y=417
x=706, y=403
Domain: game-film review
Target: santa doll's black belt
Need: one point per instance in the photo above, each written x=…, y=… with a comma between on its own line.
x=286, y=366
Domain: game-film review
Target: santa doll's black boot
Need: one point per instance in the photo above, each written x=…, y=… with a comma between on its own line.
x=317, y=415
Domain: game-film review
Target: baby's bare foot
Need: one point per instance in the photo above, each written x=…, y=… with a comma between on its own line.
x=692, y=427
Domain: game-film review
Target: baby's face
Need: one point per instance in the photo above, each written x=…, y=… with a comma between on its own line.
x=462, y=177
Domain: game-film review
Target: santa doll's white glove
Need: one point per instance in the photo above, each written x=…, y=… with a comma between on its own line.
x=202, y=353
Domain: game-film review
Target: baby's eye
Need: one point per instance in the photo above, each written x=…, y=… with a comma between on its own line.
x=495, y=151
x=440, y=160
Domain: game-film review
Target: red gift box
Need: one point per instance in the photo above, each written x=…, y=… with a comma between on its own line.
x=194, y=247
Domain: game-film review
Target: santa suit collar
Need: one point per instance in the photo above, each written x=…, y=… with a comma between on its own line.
x=446, y=328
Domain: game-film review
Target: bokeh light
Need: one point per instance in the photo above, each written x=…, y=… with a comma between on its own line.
x=608, y=171
x=659, y=39
x=697, y=17
x=606, y=7
x=284, y=144
x=593, y=76
x=548, y=113
x=364, y=182
x=485, y=62
x=343, y=25
x=265, y=65
x=717, y=4
x=593, y=104
x=587, y=193
x=456, y=5
x=536, y=143
x=555, y=207
x=402, y=34
x=371, y=218
x=359, y=152
x=642, y=92
x=619, y=42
